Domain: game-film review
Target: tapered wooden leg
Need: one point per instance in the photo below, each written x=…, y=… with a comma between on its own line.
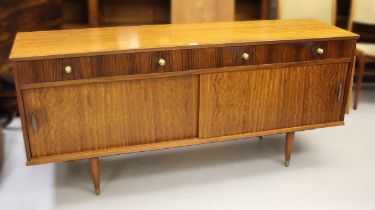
x=289, y=139
x=358, y=85
x=95, y=174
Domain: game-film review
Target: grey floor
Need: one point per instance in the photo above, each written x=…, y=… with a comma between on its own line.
x=331, y=168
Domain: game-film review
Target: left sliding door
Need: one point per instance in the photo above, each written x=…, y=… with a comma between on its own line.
x=95, y=116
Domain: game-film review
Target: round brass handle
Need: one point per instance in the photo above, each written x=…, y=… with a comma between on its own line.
x=245, y=56
x=68, y=69
x=161, y=62
x=320, y=51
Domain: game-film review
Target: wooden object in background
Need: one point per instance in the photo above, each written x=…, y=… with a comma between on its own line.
x=135, y=12
x=343, y=10
x=16, y=16
x=265, y=9
x=187, y=11
x=21, y=15
x=93, y=11
x=116, y=94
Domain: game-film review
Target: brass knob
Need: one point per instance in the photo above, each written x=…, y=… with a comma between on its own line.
x=68, y=69
x=161, y=62
x=320, y=51
x=245, y=56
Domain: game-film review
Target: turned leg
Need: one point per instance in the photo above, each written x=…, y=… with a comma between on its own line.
x=289, y=139
x=95, y=174
x=361, y=68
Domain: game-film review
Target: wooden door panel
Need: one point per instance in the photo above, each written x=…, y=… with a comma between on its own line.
x=259, y=100
x=105, y=115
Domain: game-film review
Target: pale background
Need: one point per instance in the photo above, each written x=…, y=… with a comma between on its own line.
x=331, y=168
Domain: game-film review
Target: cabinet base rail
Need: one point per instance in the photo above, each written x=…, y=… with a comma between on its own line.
x=169, y=144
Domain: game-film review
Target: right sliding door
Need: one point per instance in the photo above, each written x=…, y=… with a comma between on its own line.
x=267, y=99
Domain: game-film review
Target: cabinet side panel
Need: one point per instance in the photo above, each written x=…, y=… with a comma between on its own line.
x=349, y=80
x=106, y=115
x=21, y=110
x=260, y=100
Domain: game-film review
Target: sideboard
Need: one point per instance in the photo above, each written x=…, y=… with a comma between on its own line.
x=89, y=93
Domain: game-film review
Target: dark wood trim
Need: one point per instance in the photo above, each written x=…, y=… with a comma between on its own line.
x=179, y=60
x=265, y=9
x=93, y=12
x=181, y=73
x=7, y=94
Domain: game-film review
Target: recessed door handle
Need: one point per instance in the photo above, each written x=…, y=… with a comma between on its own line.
x=339, y=92
x=34, y=123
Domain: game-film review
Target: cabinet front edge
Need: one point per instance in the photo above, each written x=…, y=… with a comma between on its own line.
x=169, y=144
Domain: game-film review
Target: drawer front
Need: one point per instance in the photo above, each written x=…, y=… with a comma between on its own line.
x=52, y=70
x=288, y=52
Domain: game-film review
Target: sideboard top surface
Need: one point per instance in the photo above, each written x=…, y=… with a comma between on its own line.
x=94, y=41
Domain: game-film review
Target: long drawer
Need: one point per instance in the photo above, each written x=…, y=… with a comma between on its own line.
x=50, y=70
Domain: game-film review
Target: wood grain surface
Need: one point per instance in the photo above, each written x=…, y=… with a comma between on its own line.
x=169, y=144
x=118, y=99
x=52, y=70
x=94, y=41
x=187, y=11
x=106, y=115
x=95, y=174
x=289, y=140
x=24, y=15
x=252, y=101
x=179, y=73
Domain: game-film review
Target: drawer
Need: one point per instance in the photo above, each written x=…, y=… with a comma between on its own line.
x=287, y=52
x=100, y=66
x=51, y=70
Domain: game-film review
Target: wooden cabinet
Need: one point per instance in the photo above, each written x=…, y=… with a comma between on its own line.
x=132, y=89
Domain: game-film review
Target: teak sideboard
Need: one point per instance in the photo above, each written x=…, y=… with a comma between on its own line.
x=88, y=93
